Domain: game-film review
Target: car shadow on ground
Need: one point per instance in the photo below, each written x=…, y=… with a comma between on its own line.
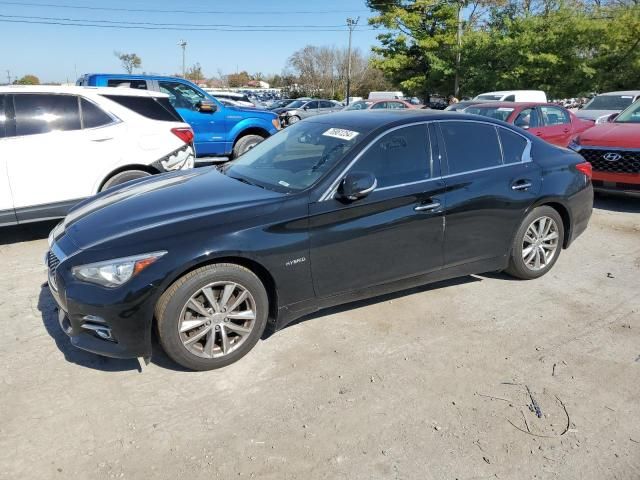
x=49, y=311
x=27, y=232
x=616, y=203
x=374, y=300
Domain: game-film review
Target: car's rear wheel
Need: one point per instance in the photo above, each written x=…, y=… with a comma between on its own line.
x=212, y=316
x=292, y=120
x=537, y=244
x=123, y=177
x=245, y=144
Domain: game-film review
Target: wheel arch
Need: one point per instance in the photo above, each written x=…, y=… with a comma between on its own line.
x=124, y=168
x=251, y=131
x=563, y=211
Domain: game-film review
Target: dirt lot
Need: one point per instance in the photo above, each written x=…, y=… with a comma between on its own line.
x=429, y=383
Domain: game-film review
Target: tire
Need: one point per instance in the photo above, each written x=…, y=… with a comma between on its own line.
x=198, y=342
x=123, y=177
x=246, y=143
x=292, y=120
x=533, y=255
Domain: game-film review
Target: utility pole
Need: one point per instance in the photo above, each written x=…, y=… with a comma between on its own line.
x=183, y=45
x=8, y=77
x=456, y=86
x=351, y=23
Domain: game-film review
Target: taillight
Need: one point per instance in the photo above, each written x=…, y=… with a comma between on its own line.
x=585, y=167
x=183, y=133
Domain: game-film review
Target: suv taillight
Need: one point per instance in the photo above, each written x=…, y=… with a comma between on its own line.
x=585, y=167
x=184, y=134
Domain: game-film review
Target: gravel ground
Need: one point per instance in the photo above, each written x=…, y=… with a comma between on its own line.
x=429, y=383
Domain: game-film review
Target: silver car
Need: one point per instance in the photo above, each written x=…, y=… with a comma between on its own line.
x=602, y=106
x=299, y=109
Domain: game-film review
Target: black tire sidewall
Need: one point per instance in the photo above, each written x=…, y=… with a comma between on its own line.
x=243, y=144
x=168, y=320
x=295, y=119
x=517, y=267
x=123, y=177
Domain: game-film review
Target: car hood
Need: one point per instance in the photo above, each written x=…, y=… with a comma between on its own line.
x=180, y=198
x=250, y=112
x=621, y=135
x=593, y=114
x=278, y=111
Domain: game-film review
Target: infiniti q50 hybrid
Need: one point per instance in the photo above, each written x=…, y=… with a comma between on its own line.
x=333, y=209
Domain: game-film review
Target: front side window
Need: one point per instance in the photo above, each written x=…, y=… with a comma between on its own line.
x=44, y=113
x=92, y=115
x=137, y=84
x=470, y=146
x=295, y=158
x=554, y=116
x=379, y=106
x=400, y=156
x=326, y=104
x=359, y=105
x=396, y=105
x=182, y=96
x=630, y=115
x=527, y=118
x=311, y=105
x=513, y=146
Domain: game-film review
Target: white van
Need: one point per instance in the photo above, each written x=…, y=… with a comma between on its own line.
x=385, y=95
x=514, y=96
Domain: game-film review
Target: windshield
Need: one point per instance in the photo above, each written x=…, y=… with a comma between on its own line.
x=295, y=158
x=609, y=102
x=488, y=97
x=361, y=105
x=630, y=115
x=499, y=113
x=296, y=104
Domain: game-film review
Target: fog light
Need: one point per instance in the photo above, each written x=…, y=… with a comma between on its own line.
x=101, y=331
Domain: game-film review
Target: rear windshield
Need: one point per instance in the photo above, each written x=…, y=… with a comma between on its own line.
x=149, y=107
x=499, y=113
x=609, y=102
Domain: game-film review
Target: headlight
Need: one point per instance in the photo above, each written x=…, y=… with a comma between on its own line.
x=113, y=273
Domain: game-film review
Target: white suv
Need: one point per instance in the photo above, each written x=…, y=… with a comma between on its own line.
x=59, y=145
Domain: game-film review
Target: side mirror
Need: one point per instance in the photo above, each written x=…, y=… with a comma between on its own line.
x=305, y=107
x=206, y=106
x=612, y=117
x=356, y=185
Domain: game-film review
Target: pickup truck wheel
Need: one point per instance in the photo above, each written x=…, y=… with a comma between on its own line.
x=212, y=316
x=246, y=143
x=123, y=177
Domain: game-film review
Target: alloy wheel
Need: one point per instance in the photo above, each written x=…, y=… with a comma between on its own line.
x=217, y=319
x=540, y=243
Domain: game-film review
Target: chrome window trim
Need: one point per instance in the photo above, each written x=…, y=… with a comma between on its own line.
x=526, y=156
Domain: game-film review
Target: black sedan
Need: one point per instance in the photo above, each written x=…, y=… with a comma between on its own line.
x=334, y=209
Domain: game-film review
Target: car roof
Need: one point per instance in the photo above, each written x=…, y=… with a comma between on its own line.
x=515, y=104
x=74, y=90
x=369, y=120
x=623, y=92
x=503, y=92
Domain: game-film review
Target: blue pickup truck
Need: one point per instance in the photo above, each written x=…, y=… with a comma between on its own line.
x=219, y=130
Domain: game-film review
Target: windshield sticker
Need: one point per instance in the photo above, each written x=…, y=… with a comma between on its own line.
x=341, y=133
x=626, y=96
x=504, y=109
x=283, y=183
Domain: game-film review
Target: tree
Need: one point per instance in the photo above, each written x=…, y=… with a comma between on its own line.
x=130, y=61
x=238, y=79
x=194, y=73
x=27, y=80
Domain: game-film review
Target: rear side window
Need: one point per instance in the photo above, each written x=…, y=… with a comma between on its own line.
x=527, y=118
x=401, y=156
x=513, y=146
x=470, y=146
x=92, y=115
x=510, y=98
x=43, y=113
x=139, y=84
x=149, y=107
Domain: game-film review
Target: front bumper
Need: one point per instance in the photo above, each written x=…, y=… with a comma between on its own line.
x=110, y=322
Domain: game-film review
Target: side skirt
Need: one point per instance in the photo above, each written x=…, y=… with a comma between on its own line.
x=289, y=313
x=48, y=211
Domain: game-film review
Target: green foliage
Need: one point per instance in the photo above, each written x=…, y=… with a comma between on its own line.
x=565, y=49
x=27, y=80
x=130, y=61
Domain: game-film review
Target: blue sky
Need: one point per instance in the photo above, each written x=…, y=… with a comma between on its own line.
x=57, y=53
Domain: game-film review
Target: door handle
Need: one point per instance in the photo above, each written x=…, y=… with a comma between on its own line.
x=427, y=206
x=521, y=185
x=539, y=134
x=101, y=139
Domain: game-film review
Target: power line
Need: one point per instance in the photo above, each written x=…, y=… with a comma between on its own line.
x=143, y=27
x=196, y=12
x=87, y=20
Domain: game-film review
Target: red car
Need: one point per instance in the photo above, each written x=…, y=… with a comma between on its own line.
x=390, y=104
x=550, y=122
x=613, y=149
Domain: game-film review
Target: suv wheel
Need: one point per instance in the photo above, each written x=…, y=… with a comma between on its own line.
x=245, y=144
x=212, y=316
x=537, y=244
x=123, y=177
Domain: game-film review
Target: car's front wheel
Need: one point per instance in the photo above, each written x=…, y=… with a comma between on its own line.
x=537, y=244
x=245, y=144
x=212, y=316
x=122, y=177
x=293, y=119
